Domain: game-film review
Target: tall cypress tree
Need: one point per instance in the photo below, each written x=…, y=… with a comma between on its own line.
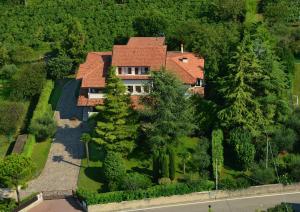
x=241, y=108
x=172, y=164
x=115, y=130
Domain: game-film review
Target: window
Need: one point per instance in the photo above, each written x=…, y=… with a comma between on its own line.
x=146, y=88
x=145, y=70
x=129, y=70
x=136, y=70
x=119, y=70
x=199, y=82
x=138, y=89
x=130, y=88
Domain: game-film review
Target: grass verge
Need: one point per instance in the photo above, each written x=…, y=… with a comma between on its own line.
x=40, y=154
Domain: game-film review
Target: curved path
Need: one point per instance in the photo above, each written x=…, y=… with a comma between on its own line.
x=64, y=159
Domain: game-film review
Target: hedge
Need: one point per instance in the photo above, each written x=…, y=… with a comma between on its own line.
x=43, y=105
x=93, y=198
x=28, y=148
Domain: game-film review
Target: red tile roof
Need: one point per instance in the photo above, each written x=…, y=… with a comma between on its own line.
x=146, y=41
x=93, y=71
x=187, y=72
x=149, y=56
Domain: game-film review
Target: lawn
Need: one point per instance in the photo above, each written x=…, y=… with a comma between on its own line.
x=91, y=178
x=40, y=154
x=296, y=83
x=56, y=93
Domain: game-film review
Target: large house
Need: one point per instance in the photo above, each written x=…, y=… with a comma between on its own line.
x=134, y=62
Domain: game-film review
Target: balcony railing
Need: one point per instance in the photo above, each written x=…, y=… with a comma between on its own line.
x=96, y=95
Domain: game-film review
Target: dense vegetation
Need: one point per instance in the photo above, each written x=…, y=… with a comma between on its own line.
x=249, y=48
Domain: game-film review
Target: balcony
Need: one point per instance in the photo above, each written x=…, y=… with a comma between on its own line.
x=96, y=95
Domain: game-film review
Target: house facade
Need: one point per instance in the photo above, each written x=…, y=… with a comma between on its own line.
x=133, y=63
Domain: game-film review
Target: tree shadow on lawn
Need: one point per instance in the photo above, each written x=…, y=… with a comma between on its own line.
x=141, y=170
x=96, y=174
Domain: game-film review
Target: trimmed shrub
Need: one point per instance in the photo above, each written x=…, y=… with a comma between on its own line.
x=93, y=198
x=114, y=170
x=7, y=71
x=164, y=181
x=164, y=164
x=43, y=127
x=230, y=183
x=135, y=181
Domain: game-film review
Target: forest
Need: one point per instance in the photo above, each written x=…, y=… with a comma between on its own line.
x=248, y=114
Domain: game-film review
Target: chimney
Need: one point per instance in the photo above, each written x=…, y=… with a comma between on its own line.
x=181, y=48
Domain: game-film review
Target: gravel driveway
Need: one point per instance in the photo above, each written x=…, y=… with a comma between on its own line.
x=64, y=159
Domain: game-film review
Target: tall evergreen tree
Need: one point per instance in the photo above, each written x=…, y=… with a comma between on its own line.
x=168, y=113
x=115, y=130
x=241, y=108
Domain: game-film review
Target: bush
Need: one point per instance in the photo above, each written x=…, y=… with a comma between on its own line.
x=28, y=82
x=7, y=205
x=59, y=67
x=7, y=71
x=156, y=191
x=28, y=148
x=283, y=207
x=22, y=54
x=263, y=175
x=135, y=181
x=113, y=169
x=43, y=127
x=230, y=183
x=11, y=117
x=164, y=181
x=284, y=139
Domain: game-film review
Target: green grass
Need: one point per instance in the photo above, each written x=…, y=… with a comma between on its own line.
x=40, y=155
x=90, y=178
x=296, y=82
x=57, y=91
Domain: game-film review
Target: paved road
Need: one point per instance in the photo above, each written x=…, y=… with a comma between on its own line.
x=243, y=204
x=64, y=159
x=61, y=205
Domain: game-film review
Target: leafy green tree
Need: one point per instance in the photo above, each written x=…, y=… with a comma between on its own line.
x=75, y=40
x=164, y=121
x=43, y=127
x=200, y=158
x=185, y=157
x=15, y=170
x=241, y=108
x=244, y=150
x=4, y=56
x=7, y=71
x=22, y=54
x=150, y=24
x=115, y=130
x=113, y=169
x=284, y=139
x=11, y=116
x=59, y=67
x=86, y=139
x=172, y=164
x=217, y=150
x=164, y=164
x=28, y=82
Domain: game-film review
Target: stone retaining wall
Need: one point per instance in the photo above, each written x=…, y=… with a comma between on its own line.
x=199, y=196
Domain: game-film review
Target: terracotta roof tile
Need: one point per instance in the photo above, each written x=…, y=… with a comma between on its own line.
x=149, y=56
x=146, y=41
x=188, y=72
x=93, y=71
